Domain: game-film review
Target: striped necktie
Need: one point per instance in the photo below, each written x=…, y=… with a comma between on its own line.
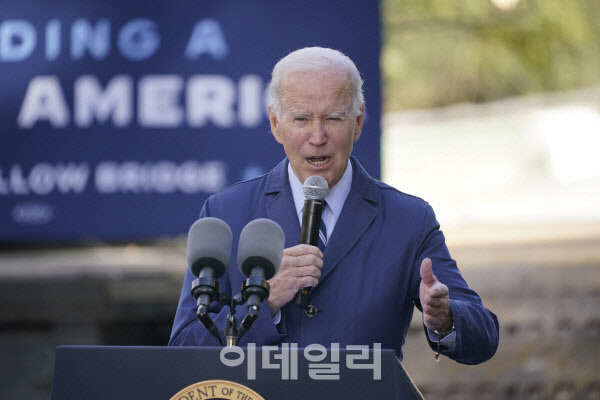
x=322, y=232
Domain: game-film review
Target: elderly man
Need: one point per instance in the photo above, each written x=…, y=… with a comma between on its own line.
x=384, y=254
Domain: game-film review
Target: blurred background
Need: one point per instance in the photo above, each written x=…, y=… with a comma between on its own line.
x=489, y=110
x=492, y=114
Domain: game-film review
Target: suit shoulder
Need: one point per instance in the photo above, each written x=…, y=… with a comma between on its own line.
x=237, y=198
x=395, y=196
x=239, y=188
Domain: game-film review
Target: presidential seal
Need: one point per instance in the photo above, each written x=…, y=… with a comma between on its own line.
x=217, y=390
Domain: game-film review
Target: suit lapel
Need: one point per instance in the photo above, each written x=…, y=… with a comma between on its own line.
x=279, y=204
x=358, y=213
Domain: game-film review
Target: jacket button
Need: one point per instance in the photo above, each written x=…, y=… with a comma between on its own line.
x=310, y=311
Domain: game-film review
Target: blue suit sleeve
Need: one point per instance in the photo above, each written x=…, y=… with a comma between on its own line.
x=477, y=329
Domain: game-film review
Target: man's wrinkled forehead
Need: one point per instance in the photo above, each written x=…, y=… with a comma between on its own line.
x=296, y=86
x=294, y=78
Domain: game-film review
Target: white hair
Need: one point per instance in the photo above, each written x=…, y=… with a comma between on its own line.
x=316, y=59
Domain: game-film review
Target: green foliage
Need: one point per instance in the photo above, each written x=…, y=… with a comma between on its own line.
x=438, y=52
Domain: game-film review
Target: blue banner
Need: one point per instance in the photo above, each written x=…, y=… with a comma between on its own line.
x=120, y=118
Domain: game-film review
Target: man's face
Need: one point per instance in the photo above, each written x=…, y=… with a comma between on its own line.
x=317, y=126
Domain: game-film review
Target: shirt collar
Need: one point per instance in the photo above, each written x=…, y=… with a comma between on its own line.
x=336, y=197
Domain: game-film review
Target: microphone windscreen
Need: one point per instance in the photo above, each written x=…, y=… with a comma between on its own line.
x=261, y=245
x=209, y=245
x=315, y=187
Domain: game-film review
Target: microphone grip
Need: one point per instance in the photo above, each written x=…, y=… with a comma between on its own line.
x=309, y=234
x=311, y=219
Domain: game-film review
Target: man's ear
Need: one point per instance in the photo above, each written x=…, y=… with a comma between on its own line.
x=359, y=123
x=274, y=122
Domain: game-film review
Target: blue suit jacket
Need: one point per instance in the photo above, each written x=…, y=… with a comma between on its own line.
x=370, y=278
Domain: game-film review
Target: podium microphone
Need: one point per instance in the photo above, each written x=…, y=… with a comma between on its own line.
x=259, y=257
x=315, y=189
x=208, y=256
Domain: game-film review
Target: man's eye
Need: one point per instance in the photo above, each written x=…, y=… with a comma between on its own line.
x=301, y=119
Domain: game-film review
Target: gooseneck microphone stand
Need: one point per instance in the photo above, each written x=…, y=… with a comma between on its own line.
x=254, y=290
x=205, y=289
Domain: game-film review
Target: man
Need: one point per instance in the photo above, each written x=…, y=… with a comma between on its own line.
x=384, y=254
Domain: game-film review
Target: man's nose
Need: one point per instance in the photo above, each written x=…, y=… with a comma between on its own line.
x=318, y=134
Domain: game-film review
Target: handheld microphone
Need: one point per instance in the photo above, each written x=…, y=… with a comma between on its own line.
x=259, y=257
x=208, y=256
x=315, y=189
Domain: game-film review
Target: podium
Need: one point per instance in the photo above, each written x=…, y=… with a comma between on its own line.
x=113, y=372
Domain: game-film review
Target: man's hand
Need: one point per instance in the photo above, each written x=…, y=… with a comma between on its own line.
x=300, y=267
x=434, y=300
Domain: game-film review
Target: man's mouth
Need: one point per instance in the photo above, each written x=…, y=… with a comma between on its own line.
x=318, y=160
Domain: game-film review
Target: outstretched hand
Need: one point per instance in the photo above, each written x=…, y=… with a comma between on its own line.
x=434, y=296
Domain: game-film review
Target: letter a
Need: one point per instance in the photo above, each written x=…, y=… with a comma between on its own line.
x=44, y=100
x=207, y=37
